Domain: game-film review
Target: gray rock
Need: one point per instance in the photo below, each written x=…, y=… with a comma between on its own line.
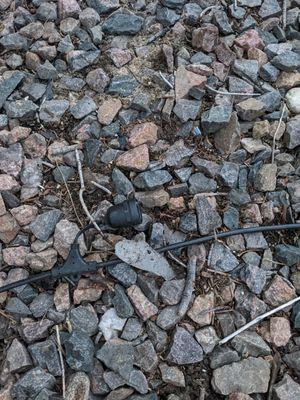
x=287, y=61
x=65, y=45
x=11, y=159
x=216, y=118
x=122, y=85
x=78, y=384
x=121, y=182
x=250, y=3
x=208, y=217
x=184, y=348
x=269, y=8
x=51, y=111
x=47, y=12
x=44, y=224
x=287, y=254
x=71, y=83
x=17, y=357
x=79, y=351
x=239, y=197
x=45, y=355
x=17, y=307
x=221, y=258
x=157, y=336
x=199, y=183
x=145, y=356
x=141, y=255
x=292, y=136
x=63, y=173
x=171, y=291
x=47, y=71
x=209, y=168
x=237, y=12
x=32, y=383
x=92, y=149
x=247, y=376
x=83, y=107
x=231, y=218
x=96, y=34
x=41, y=304
x=228, y=174
x=286, y=389
x=265, y=178
x=177, y=154
x=8, y=85
x=292, y=359
x=15, y=41
x=35, y=330
x=187, y=110
x=255, y=240
x=269, y=73
x=137, y=380
x=183, y=174
x=123, y=24
x=173, y=3
x=168, y=317
x=227, y=139
x=89, y=17
x=250, y=343
x=248, y=68
x=34, y=90
x=117, y=355
x=80, y=59
x=104, y=6
x=149, y=287
x=254, y=277
x=123, y=273
x=166, y=16
x=188, y=222
x=207, y=338
x=121, y=303
x=222, y=22
x=21, y=109
x=85, y=319
x=3, y=118
x=132, y=329
x=223, y=356
x=152, y=179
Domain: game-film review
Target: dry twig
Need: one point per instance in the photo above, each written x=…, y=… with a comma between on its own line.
x=275, y=134
x=189, y=287
x=101, y=187
x=258, y=319
x=284, y=10
x=81, y=191
x=63, y=375
x=176, y=260
x=66, y=149
x=231, y=93
x=166, y=81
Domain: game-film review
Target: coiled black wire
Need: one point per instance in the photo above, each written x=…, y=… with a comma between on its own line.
x=174, y=246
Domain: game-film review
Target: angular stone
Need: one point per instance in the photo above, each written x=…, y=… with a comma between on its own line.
x=44, y=224
x=122, y=85
x=292, y=136
x=286, y=389
x=205, y=38
x=84, y=318
x=254, y=277
x=222, y=355
x=64, y=235
x=123, y=24
x=265, y=179
x=41, y=304
x=32, y=383
x=78, y=384
x=132, y=329
x=121, y=303
x=62, y=297
x=8, y=85
x=43, y=260
x=154, y=198
x=287, y=61
x=136, y=159
x=216, y=118
x=24, y=214
x=287, y=254
x=152, y=179
x=15, y=41
x=9, y=228
x=45, y=355
x=186, y=80
x=145, y=356
x=120, y=57
x=279, y=291
x=166, y=16
x=280, y=331
x=207, y=338
x=208, y=217
x=249, y=68
x=269, y=8
x=171, y=291
x=184, y=348
x=110, y=324
x=199, y=183
x=17, y=357
x=187, y=110
x=97, y=80
x=200, y=310
x=247, y=376
x=108, y=110
x=117, y=355
x=177, y=154
x=250, y=109
x=143, y=133
x=80, y=59
x=221, y=258
x=87, y=290
x=21, y=109
x=83, y=107
x=79, y=351
x=249, y=39
x=250, y=343
x=144, y=308
x=172, y=375
x=51, y=111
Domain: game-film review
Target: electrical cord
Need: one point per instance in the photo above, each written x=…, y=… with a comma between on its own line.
x=88, y=267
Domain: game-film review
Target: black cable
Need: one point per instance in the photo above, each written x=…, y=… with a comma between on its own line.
x=174, y=246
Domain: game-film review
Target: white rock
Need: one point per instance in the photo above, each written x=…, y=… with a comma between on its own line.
x=110, y=324
x=293, y=100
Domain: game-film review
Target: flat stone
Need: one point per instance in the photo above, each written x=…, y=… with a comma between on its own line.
x=249, y=68
x=254, y=277
x=41, y=304
x=186, y=80
x=247, y=376
x=172, y=375
x=227, y=139
x=269, y=8
x=287, y=61
x=45, y=355
x=17, y=357
x=124, y=274
x=152, y=179
x=280, y=331
x=287, y=254
x=117, y=355
x=104, y=6
x=87, y=290
x=199, y=312
x=35, y=330
x=154, y=198
x=121, y=303
x=21, y=109
x=187, y=110
x=78, y=383
x=250, y=343
x=166, y=16
x=177, y=154
x=110, y=324
x=51, y=111
x=144, y=308
x=199, y=183
x=222, y=22
x=120, y=57
x=286, y=389
x=83, y=107
x=79, y=351
x=132, y=329
x=171, y=291
x=184, y=348
x=252, y=145
x=208, y=217
x=136, y=159
x=15, y=41
x=108, y=110
x=250, y=109
x=292, y=136
x=143, y=133
x=249, y=39
x=123, y=24
x=30, y=384
x=44, y=224
x=223, y=356
x=122, y=85
x=279, y=291
x=80, y=59
x=145, y=356
x=221, y=258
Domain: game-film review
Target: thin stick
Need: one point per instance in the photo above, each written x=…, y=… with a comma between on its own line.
x=69, y=193
x=176, y=260
x=208, y=9
x=235, y=5
x=275, y=134
x=189, y=287
x=102, y=187
x=81, y=191
x=284, y=10
x=231, y=93
x=166, y=81
x=61, y=362
x=65, y=150
x=258, y=319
